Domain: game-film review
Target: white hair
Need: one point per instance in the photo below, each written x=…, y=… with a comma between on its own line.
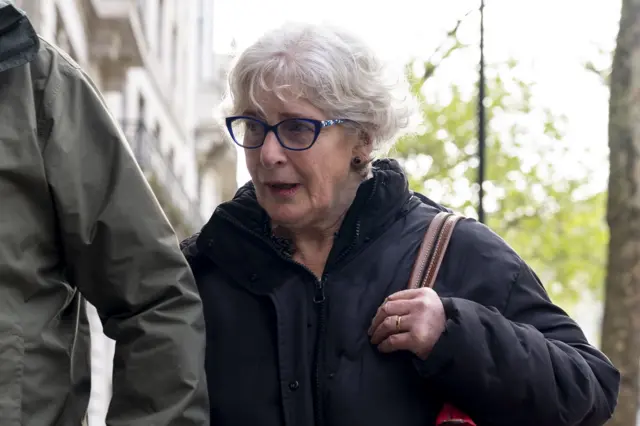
x=328, y=67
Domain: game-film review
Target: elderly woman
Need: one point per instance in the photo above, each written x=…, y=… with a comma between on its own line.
x=303, y=274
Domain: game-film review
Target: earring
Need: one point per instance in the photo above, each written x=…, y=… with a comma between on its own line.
x=356, y=161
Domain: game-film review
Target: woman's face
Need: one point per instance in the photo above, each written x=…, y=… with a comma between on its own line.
x=307, y=188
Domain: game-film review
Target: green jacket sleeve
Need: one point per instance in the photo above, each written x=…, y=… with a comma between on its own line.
x=124, y=257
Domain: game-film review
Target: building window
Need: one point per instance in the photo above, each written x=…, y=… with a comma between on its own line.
x=139, y=147
x=174, y=56
x=160, y=24
x=157, y=133
x=171, y=161
x=142, y=9
x=141, y=111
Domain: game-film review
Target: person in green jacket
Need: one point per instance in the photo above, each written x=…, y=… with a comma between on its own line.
x=78, y=220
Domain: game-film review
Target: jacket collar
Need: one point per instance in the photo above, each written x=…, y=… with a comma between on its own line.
x=19, y=43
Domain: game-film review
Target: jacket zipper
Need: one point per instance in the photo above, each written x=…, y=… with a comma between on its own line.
x=319, y=299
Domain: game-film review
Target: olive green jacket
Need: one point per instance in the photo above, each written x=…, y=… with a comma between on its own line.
x=78, y=218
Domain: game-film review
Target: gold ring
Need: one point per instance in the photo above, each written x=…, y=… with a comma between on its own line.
x=398, y=319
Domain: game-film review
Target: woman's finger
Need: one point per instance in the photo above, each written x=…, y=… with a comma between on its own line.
x=397, y=342
x=387, y=309
x=411, y=293
x=391, y=325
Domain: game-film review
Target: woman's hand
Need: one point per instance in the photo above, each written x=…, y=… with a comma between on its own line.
x=411, y=320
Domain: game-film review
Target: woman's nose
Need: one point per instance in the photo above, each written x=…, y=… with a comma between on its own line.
x=272, y=154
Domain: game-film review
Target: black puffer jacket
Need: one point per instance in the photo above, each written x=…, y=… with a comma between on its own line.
x=286, y=349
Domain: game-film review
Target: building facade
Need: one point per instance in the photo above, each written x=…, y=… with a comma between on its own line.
x=154, y=64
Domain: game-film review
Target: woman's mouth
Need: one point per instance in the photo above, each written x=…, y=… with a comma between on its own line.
x=283, y=189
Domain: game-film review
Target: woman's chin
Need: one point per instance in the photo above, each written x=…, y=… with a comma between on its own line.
x=286, y=215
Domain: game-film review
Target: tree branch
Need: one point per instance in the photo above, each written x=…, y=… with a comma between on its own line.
x=441, y=51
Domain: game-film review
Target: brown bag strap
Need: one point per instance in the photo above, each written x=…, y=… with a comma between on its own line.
x=434, y=246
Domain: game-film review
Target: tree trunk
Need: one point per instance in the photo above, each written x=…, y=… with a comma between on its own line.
x=621, y=323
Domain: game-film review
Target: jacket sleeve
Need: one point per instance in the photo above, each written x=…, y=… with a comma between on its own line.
x=123, y=255
x=526, y=363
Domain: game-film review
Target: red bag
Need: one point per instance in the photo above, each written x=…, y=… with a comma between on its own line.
x=424, y=273
x=449, y=415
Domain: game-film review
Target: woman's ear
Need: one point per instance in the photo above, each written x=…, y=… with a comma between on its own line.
x=364, y=146
x=361, y=155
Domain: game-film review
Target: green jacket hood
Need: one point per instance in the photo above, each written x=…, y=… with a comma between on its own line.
x=19, y=42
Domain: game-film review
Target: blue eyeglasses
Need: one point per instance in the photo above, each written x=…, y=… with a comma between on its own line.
x=296, y=134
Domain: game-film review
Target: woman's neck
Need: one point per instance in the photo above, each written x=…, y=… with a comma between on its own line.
x=313, y=242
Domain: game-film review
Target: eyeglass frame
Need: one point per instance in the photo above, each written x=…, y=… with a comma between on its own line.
x=318, y=125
